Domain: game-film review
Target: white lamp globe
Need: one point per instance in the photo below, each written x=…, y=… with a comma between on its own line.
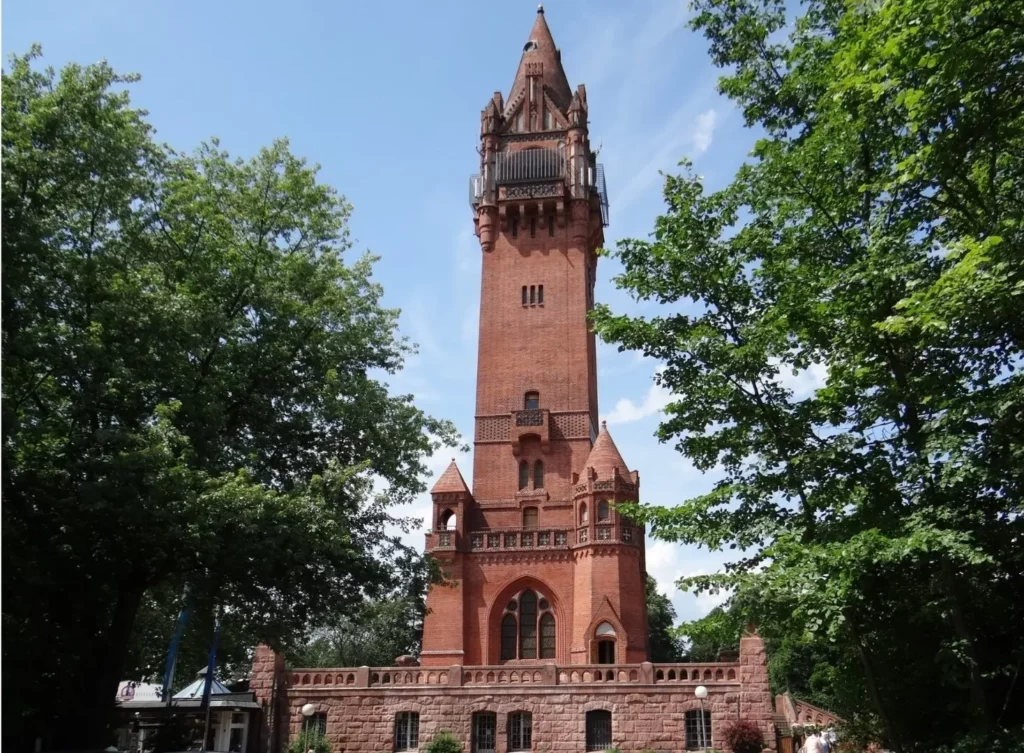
x=700, y=691
x=309, y=709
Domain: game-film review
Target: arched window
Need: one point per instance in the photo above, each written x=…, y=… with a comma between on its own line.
x=583, y=513
x=523, y=635
x=602, y=510
x=528, y=625
x=531, y=400
x=509, y=635
x=538, y=475
x=605, y=635
x=524, y=474
x=547, y=636
x=529, y=518
x=447, y=520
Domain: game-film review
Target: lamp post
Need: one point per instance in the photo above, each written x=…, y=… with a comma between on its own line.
x=701, y=692
x=307, y=711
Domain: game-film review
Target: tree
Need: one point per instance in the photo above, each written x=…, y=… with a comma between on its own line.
x=193, y=395
x=874, y=240
x=661, y=617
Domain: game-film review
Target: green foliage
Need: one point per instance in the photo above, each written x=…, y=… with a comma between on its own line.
x=193, y=396
x=443, y=742
x=661, y=616
x=873, y=243
x=743, y=736
x=310, y=740
x=706, y=638
x=373, y=634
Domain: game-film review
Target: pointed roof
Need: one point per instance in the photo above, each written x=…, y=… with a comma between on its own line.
x=604, y=456
x=451, y=481
x=195, y=690
x=540, y=48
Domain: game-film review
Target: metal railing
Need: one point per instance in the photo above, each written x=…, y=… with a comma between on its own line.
x=529, y=165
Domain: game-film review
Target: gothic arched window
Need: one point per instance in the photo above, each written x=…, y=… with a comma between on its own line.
x=528, y=628
x=547, y=636
x=538, y=475
x=528, y=625
x=509, y=635
x=524, y=474
x=583, y=513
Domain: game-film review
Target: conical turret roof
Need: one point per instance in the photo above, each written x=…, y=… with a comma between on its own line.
x=451, y=481
x=604, y=456
x=540, y=48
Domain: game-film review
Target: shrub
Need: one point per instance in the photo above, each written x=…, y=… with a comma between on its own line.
x=444, y=742
x=312, y=740
x=744, y=737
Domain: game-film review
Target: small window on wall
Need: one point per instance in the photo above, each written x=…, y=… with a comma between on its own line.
x=538, y=475
x=583, y=514
x=533, y=294
x=698, y=736
x=524, y=474
x=531, y=401
x=520, y=731
x=540, y=294
x=529, y=518
x=407, y=730
x=599, y=730
x=547, y=119
x=602, y=510
x=526, y=296
x=316, y=723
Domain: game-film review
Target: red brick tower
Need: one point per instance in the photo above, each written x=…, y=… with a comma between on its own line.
x=541, y=565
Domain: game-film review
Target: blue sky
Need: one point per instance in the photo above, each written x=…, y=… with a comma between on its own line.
x=386, y=97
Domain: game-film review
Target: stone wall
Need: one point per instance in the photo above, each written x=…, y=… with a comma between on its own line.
x=648, y=702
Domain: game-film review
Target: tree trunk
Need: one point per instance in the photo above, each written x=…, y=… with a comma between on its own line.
x=872, y=683
x=89, y=723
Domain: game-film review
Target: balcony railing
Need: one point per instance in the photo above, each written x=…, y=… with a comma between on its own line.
x=718, y=677
x=529, y=165
x=519, y=538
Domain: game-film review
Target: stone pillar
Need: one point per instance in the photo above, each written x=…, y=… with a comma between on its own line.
x=755, y=694
x=270, y=690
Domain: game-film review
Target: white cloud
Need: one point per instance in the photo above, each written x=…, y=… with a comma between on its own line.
x=654, y=401
x=805, y=381
x=703, y=130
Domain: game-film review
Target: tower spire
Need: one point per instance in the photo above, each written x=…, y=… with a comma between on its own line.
x=540, y=50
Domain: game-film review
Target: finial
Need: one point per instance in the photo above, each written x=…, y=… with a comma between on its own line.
x=540, y=8
x=604, y=424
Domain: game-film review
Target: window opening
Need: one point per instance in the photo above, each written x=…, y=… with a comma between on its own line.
x=602, y=510
x=407, y=730
x=520, y=731
x=531, y=401
x=530, y=518
x=599, y=730
x=484, y=725
x=538, y=475
x=509, y=635
x=698, y=736
x=524, y=295
x=606, y=652
x=533, y=294
x=547, y=635
x=540, y=294
x=528, y=625
x=524, y=474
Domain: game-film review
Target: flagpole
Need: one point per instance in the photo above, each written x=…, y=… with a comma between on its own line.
x=211, y=665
